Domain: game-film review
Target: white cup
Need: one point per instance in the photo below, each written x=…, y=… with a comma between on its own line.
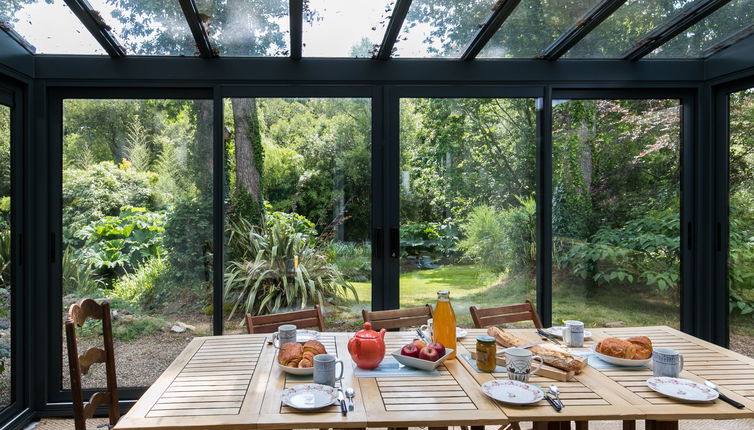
x=518, y=362
x=285, y=334
x=573, y=333
x=666, y=362
x=427, y=329
x=324, y=369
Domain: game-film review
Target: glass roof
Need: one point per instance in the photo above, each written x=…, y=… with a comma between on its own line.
x=50, y=26
x=440, y=28
x=533, y=25
x=625, y=26
x=725, y=21
x=241, y=28
x=345, y=28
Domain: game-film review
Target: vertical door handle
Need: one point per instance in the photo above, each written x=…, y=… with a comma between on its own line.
x=395, y=243
x=377, y=243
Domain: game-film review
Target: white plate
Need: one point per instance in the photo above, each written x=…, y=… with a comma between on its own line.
x=306, y=335
x=512, y=392
x=682, y=389
x=460, y=333
x=418, y=363
x=558, y=332
x=620, y=361
x=309, y=397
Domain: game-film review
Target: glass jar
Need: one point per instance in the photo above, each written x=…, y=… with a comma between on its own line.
x=486, y=360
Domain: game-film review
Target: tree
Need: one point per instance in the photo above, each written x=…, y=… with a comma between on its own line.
x=248, y=156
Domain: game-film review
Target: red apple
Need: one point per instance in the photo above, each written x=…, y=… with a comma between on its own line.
x=437, y=347
x=419, y=343
x=410, y=350
x=429, y=354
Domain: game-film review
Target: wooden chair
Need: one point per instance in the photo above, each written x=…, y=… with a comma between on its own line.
x=505, y=314
x=301, y=319
x=398, y=318
x=80, y=364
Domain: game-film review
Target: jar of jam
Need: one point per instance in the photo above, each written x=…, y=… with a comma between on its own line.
x=485, y=353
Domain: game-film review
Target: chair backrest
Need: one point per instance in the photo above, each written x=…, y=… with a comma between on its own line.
x=79, y=364
x=505, y=314
x=301, y=319
x=398, y=318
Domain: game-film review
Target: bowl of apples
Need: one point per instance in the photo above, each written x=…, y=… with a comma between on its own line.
x=422, y=356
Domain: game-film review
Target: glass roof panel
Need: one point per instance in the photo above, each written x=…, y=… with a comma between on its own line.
x=725, y=21
x=628, y=24
x=345, y=28
x=242, y=28
x=147, y=28
x=50, y=26
x=440, y=28
x=533, y=25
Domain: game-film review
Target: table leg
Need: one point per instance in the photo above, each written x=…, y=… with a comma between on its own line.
x=661, y=425
x=629, y=425
x=582, y=425
x=552, y=425
x=445, y=428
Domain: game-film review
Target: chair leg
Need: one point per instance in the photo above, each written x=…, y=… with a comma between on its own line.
x=629, y=425
x=661, y=425
x=582, y=425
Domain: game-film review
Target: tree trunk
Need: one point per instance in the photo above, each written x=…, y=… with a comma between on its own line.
x=204, y=153
x=246, y=128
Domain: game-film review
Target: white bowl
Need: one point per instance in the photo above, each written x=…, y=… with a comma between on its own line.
x=418, y=363
x=620, y=361
x=295, y=370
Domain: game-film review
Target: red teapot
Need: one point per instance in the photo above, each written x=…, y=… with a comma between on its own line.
x=367, y=347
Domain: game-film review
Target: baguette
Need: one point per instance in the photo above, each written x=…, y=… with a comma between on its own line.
x=551, y=356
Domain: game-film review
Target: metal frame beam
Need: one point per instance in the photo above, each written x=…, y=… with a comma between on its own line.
x=17, y=37
x=393, y=28
x=729, y=41
x=296, y=13
x=97, y=26
x=588, y=22
x=198, y=30
x=672, y=27
x=500, y=12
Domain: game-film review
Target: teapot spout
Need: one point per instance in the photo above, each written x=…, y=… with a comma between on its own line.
x=382, y=334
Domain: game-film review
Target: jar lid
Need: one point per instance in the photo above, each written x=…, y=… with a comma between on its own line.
x=485, y=339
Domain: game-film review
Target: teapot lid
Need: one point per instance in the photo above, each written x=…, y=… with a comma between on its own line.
x=367, y=332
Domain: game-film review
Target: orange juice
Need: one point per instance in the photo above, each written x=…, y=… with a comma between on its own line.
x=444, y=322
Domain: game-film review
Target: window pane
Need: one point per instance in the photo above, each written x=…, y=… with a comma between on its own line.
x=468, y=202
x=533, y=25
x=720, y=24
x=242, y=28
x=137, y=227
x=148, y=28
x=299, y=208
x=437, y=28
x=741, y=239
x=6, y=289
x=627, y=25
x=616, y=212
x=50, y=26
x=345, y=28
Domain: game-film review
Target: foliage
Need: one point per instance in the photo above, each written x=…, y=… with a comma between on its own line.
x=419, y=237
x=266, y=278
x=354, y=260
x=138, y=152
x=188, y=242
x=145, y=288
x=5, y=260
x=79, y=277
x=128, y=330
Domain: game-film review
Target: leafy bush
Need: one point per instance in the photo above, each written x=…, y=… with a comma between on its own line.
x=145, y=288
x=188, y=241
x=5, y=247
x=741, y=260
x=265, y=278
x=432, y=237
x=79, y=277
x=128, y=330
x=354, y=260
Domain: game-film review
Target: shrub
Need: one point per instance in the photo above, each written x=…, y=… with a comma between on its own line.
x=129, y=329
x=354, y=260
x=741, y=261
x=145, y=288
x=78, y=277
x=439, y=238
x=5, y=247
x=188, y=242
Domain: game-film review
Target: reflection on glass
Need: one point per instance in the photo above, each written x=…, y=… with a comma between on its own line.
x=345, y=28
x=725, y=21
x=147, y=28
x=247, y=28
x=533, y=25
x=299, y=209
x=741, y=235
x=440, y=28
x=467, y=202
x=6, y=289
x=625, y=26
x=137, y=227
x=49, y=26
x=616, y=211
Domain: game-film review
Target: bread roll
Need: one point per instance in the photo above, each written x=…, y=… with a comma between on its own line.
x=618, y=348
x=643, y=347
x=553, y=357
x=290, y=354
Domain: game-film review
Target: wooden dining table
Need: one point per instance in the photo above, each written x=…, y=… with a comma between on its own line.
x=232, y=382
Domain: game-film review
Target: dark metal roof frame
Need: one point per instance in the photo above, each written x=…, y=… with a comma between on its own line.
x=198, y=29
x=591, y=19
x=729, y=41
x=17, y=37
x=673, y=27
x=393, y=28
x=500, y=12
x=296, y=13
x=93, y=22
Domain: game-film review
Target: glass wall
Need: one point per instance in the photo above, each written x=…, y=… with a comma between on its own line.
x=467, y=202
x=6, y=288
x=298, y=199
x=616, y=212
x=741, y=222
x=137, y=227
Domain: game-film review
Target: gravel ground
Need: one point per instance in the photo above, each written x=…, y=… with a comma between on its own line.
x=742, y=344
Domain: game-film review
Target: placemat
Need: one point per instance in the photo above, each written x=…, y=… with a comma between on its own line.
x=472, y=362
x=600, y=364
x=390, y=368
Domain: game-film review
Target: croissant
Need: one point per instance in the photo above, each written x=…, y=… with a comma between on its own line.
x=314, y=347
x=618, y=348
x=290, y=354
x=305, y=362
x=643, y=347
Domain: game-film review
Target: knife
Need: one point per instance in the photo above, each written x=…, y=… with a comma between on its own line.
x=502, y=351
x=343, y=407
x=547, y=336
x=421, y=335
x=722, y=396
x=552, y=402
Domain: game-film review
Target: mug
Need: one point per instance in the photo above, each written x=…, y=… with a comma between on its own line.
x=573, y=333
x=285, y=334
x=518, y=362
x=666, y=362
x=427, y=329
x=324, y=369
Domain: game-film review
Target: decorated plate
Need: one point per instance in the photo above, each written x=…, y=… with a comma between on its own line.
x=682, y=389
x=558, y=332
x=512, y=392
x=309, y=397
x=620, y=361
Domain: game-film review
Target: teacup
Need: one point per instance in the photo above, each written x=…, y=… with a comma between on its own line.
x=666, y=362
x=324, y=369
x=573, y=333
x=518, y=362
x=427, y=329
x=286, y=334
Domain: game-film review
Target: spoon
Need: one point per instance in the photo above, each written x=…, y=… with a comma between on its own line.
x=350, y=394
x=555, y=391
x=723, y=397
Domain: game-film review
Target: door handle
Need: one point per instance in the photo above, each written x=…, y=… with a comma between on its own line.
x=395, y=243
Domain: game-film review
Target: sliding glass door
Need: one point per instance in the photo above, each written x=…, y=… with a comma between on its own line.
x=7, y=287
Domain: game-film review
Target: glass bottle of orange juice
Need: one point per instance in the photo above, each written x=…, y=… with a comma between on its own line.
x=444, y=322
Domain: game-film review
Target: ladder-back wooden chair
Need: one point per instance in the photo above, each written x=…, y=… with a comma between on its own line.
x=79, y=364
x=505, y=314
x=398, y=318
x=301, y=319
